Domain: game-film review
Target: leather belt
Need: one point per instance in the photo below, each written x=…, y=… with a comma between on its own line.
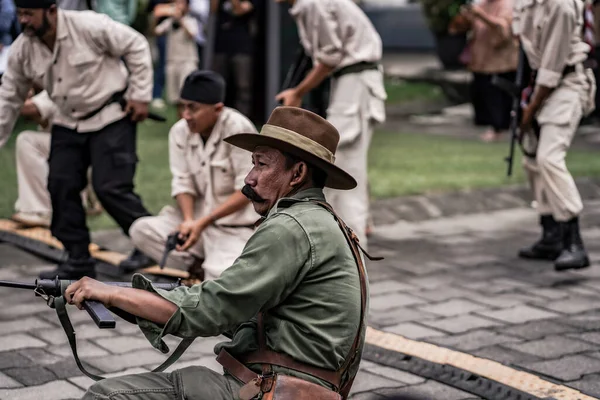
x=237, y=368
x=355, y=68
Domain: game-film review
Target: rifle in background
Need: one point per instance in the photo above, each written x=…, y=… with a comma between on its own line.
x=527, y=140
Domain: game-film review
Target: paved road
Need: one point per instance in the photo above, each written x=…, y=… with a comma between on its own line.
x=452, y=281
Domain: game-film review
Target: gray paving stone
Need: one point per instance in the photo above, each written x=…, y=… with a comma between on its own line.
x=537, y=329
x=123, y=344
x=427, y=391
x=119, y=362
x=389, y=286
x=427, y=267
x=366, y=382
x=84, y=349
x=590, y=384
x=591, y=337
x=573, y=305
x=17, y=311
x=582, y=290
x=452, y=308
x=505, y=355
x=392, y=300
x=473, y=340
x=431, y=282
x=57, y=336
x=19, y=341
x=460, y=324
x=12, y=359
x=40, y=356
x=441, y=294
x=568, y=368
x=24, y=325
x=518, y=314
x=586, y=321
x=548, y=293
x=31, y=376
x=552, y=346
x=396, y=315
x=56, y=390
x=366, y=396
x=413, y=331
x=504, y=300
x=391, y=373
x=67, y=368
x=8, y=382
x=497, y=285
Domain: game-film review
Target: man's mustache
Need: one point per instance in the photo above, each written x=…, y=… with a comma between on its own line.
x=251, y=194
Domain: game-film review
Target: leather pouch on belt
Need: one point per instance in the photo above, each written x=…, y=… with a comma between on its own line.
x=286, y=387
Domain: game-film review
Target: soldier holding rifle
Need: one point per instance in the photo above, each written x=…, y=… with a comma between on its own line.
x=294, y=303
x=79, y=59
x=563, y=91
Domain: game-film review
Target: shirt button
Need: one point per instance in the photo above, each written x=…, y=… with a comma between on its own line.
x=202, y=164
x=64, y=97
x=60, y=79
x=73, y=110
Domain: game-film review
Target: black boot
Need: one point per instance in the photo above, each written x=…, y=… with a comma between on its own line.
x=549, y=246
x=136, y=260
x=573, y=255
x=72, y=269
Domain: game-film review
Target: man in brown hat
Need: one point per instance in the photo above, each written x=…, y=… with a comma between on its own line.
x=294, y=303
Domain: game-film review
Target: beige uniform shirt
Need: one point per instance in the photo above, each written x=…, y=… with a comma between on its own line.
x=214, y=170
x=46, y=108
x=80, y=74
x=551, y=34
x=180, y=46
x=336, y=32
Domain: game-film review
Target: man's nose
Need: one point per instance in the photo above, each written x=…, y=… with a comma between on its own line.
x=250, y=179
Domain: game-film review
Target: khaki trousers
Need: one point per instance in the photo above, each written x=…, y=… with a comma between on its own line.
x=176, y=72
x=218, y=246
x=191, y=383
x=356, y=103
x=551, y=182
x=32, y=152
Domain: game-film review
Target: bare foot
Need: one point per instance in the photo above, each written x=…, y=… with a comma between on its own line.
x=490, y=136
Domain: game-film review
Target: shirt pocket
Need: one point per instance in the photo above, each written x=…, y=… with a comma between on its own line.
x=222, y=177
x=82, y=64
x=560, y=108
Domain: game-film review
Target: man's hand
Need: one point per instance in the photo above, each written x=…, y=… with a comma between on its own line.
x=137, y=109
x=290, y=97
x=199, y=226
x=185, y=228
x=527, y=119
x=89, y=289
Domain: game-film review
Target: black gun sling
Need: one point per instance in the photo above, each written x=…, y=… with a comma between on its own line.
x=63, y=317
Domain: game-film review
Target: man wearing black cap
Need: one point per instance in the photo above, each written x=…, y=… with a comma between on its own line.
x=213, y=216
x=79, y=59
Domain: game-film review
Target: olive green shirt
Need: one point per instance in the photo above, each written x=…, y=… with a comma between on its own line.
x=299, y=270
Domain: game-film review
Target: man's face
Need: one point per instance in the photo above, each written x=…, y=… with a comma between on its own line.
x=269, y=180
x=37, y=21
x=200, y=117
x=182, y=5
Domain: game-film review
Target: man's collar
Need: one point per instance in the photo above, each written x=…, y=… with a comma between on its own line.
x=61, y=29
x=298, y=7
x=303, y=195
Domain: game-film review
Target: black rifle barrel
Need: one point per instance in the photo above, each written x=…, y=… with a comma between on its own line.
x=18, y=285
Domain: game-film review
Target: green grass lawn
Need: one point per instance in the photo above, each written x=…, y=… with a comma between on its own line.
x=401, y=163
x=402, y=91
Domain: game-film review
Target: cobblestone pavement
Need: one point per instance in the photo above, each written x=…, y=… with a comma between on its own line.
x=452, y=281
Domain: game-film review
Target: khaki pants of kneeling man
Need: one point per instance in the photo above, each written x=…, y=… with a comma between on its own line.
x=191, y=383
x=218, y=246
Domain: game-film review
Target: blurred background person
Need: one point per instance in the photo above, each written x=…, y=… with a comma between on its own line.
x=123, y=11
x=200, y=9
x=492, y=50
x=234, y=50
x=160, y=11
x=181, y=30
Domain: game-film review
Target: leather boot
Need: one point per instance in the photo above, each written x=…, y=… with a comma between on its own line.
x=550, y=245
x=573, y=255
x=135, y=261
x=72, y=269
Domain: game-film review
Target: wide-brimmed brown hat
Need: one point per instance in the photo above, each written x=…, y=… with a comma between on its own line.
x=304, y=134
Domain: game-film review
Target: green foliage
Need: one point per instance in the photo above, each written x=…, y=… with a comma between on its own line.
x=439, y=13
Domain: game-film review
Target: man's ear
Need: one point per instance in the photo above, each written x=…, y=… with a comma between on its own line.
x=300, y=174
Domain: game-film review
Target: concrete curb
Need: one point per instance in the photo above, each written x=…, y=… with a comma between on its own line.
x=424, y=207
